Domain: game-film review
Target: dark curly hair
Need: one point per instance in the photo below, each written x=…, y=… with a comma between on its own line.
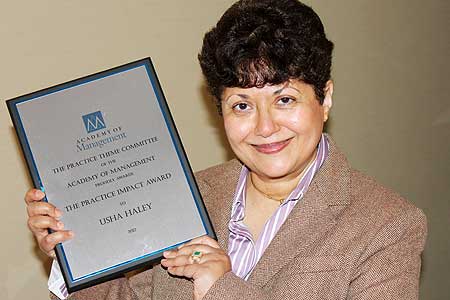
x=259, y=42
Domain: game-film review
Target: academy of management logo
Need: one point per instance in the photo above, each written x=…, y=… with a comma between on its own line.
x=94, y=121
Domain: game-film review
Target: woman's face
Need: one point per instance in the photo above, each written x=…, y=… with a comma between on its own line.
x=274, y=130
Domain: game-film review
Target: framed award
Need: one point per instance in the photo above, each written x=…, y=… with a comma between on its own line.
x=105, y=150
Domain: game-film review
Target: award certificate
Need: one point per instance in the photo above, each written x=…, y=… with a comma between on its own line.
x=106, y=152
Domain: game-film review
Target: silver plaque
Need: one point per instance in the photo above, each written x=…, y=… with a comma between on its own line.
x=106, y=152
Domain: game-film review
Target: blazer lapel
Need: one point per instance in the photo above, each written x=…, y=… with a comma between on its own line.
x=220, y=191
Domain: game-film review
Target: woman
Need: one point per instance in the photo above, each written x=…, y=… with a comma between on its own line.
x=293, y=220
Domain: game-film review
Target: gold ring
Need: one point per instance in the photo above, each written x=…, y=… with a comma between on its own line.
x=196, y=256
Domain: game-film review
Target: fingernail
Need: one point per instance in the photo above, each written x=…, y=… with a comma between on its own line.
x=60, y=225
x=71, y=234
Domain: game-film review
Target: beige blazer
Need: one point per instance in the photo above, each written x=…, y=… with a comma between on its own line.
x=348, y=238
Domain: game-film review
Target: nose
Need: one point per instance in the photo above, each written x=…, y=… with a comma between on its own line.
x=265, y=124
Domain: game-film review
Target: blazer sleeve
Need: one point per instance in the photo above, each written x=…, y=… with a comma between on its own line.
x=390, y=266
x=136, y=287
x=232, y=287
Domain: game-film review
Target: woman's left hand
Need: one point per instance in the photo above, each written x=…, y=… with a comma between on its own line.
x=204, y=270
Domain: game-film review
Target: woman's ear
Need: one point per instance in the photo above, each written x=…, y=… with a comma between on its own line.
x=328, y=100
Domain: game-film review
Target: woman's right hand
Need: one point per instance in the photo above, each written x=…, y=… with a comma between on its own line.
x=43, y=216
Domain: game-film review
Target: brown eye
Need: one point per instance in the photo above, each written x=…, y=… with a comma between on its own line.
x=241, y=106
x=285, y=101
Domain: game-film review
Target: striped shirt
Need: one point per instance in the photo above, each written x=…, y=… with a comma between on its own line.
x=243, y=250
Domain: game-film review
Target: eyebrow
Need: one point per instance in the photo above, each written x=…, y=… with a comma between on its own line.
x=287, y=85
x=242, y=96
x=277, y=92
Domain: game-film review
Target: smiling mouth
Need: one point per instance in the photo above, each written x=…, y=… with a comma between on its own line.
x=272, y=148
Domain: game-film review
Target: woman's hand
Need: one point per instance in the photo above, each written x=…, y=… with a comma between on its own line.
x=43, y=216
x=204, y=270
